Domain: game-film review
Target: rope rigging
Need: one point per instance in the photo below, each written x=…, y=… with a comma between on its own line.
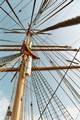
x=11, y=11
x=54, y=11
x=65, y=80
x=39, y=100
x=32, y=14
x=55, y=98
x=45, y=95
x=9, y=15
x=44, y=5
x=14, y=13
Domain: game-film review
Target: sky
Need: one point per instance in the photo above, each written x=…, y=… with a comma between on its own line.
x=64, y=36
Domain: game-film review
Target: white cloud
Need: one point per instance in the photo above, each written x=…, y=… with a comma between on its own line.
x=3, y=106
x=74, y=112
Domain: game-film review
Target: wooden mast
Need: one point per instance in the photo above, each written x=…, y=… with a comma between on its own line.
x=25, y=68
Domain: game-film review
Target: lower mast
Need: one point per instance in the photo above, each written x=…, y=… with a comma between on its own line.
x=25, y=71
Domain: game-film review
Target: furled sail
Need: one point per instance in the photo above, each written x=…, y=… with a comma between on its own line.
x=7, y=59
x=66, y=23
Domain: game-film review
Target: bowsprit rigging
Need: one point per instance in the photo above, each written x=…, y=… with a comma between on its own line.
x=41, y=75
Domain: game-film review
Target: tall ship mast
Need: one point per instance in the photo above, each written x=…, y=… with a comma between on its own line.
x=39, y=60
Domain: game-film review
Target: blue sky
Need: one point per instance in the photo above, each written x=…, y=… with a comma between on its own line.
x=64, y=36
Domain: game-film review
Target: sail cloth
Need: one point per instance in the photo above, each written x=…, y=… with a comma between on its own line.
x=7, y=59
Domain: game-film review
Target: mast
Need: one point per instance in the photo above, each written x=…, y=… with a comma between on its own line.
x=25, y=71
